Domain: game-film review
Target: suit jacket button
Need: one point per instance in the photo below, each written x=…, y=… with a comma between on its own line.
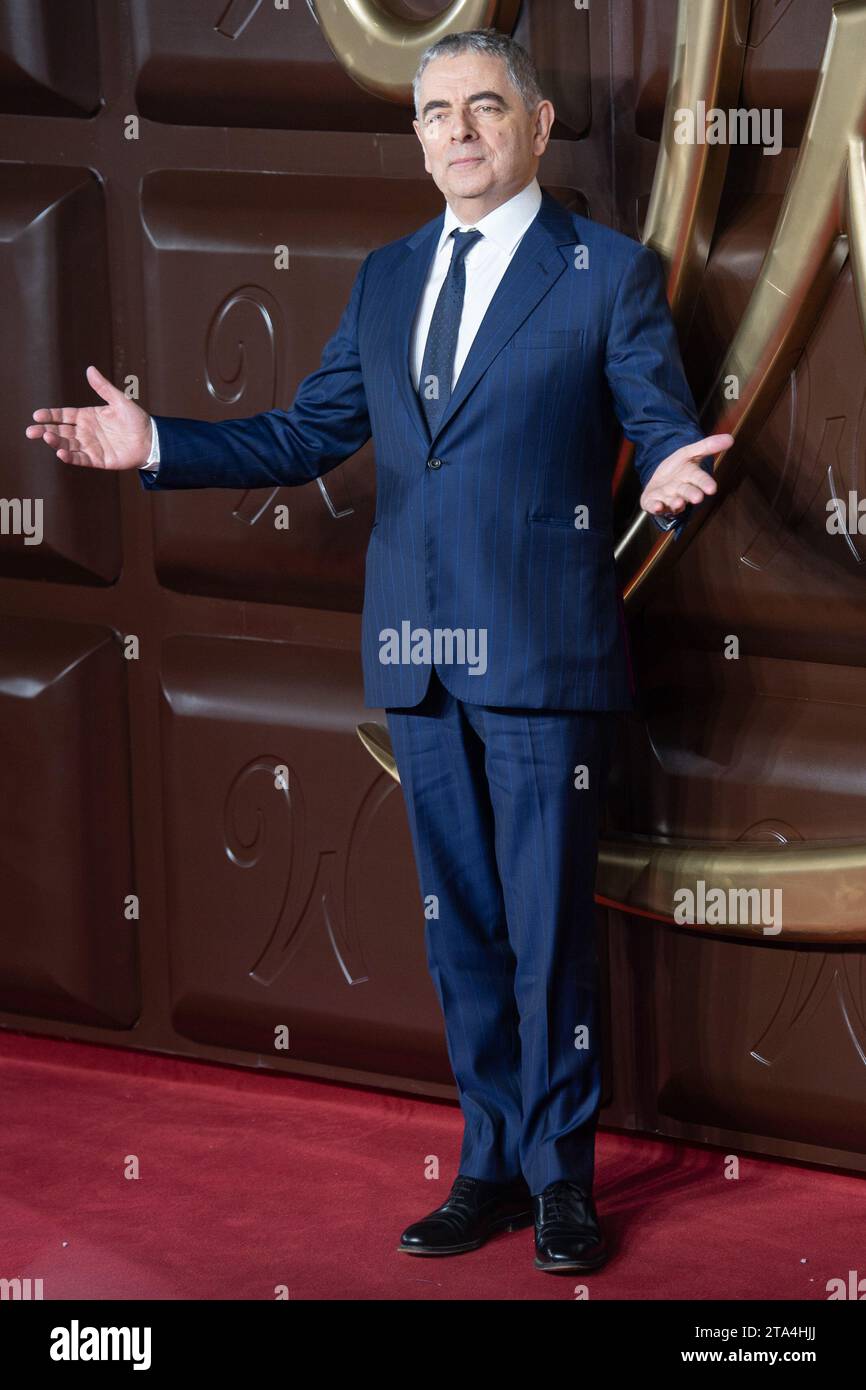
x=434, y=463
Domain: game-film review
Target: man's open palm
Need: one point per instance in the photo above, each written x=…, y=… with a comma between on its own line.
x=680, y=479
x=116, y=435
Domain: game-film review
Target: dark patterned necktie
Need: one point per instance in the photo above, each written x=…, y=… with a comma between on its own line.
x=437, y=368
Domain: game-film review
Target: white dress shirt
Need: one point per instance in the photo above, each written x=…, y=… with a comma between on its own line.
x=486, y=262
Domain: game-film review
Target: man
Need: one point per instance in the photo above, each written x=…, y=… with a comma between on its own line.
x=490, y=355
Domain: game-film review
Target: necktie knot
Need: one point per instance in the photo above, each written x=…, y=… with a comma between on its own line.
x=463, y=242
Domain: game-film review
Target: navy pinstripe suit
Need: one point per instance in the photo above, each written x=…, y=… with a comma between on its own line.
x=475, y=530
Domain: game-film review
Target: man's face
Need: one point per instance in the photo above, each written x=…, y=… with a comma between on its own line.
x=480, y=143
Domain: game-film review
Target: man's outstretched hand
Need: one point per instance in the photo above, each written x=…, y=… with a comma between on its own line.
x=679, y=479
x=116, y=435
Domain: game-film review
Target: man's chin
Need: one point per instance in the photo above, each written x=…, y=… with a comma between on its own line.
x=470, y=181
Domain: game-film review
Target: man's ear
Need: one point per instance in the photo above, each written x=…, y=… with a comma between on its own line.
x=544, y=118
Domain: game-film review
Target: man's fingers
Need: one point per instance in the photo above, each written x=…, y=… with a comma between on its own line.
x=695, y=483
x=103, y=387
x=58, y=437
x=62, y=438
x=66, y=444
x=47, y=433
x=690, y=472
x=68, y=414
x=713, y=444
x=58, y=431
x=674, y=497
x=690, y=483
x=56, y=415
x=664, y=502
x=76, y=456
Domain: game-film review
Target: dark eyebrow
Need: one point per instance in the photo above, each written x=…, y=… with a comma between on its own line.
x=476, y=96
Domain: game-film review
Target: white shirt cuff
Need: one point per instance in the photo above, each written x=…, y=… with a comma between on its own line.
x=152, y=465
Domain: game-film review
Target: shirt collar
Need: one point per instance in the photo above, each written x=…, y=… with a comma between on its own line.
x=505, y=225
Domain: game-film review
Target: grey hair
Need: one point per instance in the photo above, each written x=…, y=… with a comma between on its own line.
x=522, y=72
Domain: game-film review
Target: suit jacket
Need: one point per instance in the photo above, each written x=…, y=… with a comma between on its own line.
x=475, y=528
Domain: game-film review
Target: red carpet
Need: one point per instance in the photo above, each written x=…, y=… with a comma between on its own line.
x=251, y=1180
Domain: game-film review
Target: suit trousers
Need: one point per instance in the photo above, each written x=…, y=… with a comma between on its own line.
x=503, y=808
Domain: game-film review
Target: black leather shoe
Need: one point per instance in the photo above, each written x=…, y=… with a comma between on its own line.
x=567, y=1231
x=473, y=1212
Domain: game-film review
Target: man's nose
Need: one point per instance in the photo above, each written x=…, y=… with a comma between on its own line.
x=462, y=128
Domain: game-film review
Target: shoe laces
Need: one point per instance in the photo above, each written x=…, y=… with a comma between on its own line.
x=565, y=1199
x=464, y=1192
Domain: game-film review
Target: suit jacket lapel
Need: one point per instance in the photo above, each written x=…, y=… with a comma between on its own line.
x=535, y=266
x=406, y=285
